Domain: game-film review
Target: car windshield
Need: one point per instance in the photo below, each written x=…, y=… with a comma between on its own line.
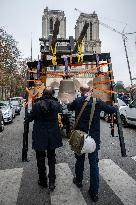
x=15, y=99
x=15, y=102
x=134, y=103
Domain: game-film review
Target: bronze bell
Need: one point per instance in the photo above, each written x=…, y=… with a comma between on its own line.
x=54, y=84
x=67, y=91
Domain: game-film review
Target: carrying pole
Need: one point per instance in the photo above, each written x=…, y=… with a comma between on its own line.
x=119, y=124
x=26, y=131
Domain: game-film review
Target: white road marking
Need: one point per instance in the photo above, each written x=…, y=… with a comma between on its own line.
x=10, y=180
x=119, y=181
x=65, y=193
x=134, y=158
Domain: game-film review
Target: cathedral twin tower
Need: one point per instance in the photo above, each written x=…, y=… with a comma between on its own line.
x=92, y=42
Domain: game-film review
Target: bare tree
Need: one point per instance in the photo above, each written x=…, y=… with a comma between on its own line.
x=12, y=67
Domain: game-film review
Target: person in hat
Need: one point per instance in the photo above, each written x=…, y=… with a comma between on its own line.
x=46, y=136
x=94, y=132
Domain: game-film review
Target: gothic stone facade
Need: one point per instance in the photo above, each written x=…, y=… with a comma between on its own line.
x=48, y=20
x=92, y=42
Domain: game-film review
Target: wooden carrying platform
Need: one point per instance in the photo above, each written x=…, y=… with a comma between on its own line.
x=102, y=88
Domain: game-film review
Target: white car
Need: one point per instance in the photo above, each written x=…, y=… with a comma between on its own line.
x=19, y=99
x=7, y=111
x=11, y=107
x=128, y=114
x=106, y=116
x=15, y=105
x=120, y=102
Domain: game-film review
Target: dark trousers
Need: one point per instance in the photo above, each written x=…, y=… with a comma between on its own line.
x=40, y=156
x=66, y=123
x=94, y=170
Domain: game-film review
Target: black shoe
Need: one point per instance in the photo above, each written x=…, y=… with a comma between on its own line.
x=77, y=183
x=51, y=186
x=94, y=196
x=43, y=183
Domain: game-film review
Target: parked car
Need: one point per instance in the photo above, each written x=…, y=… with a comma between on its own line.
x=13, y=109
x=1, y=122
x=16, y=106
x=128, y=114
x=19, y=99
x=7, y=111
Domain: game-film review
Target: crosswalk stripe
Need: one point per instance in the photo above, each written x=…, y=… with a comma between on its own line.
x=119, y=181
x=134, y=158
x=10, y=180
x=66, y=193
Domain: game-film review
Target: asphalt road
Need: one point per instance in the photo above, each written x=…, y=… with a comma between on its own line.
x=18, y=180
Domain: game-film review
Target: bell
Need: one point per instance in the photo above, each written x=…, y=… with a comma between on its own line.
x=67, y=91
x=54, y=84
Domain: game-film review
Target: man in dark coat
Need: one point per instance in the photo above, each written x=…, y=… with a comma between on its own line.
x=94, y=131
x=46, y=135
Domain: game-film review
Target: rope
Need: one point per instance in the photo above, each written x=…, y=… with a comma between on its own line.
x=106, y=91
x=103, y=82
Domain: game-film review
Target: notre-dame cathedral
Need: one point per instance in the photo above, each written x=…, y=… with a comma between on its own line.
x=92, y=42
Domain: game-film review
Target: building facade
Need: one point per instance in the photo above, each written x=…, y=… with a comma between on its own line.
x=92, y=42
x=48, y=20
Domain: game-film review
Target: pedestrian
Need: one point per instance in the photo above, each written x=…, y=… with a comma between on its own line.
x=46, y=136
x=125, y=99
x=94, y=132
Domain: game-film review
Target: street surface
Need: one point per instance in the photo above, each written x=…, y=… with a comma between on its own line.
x=18, y=180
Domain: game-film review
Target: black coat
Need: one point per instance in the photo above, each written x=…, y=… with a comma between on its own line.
x=83, y=123
x=46, y=131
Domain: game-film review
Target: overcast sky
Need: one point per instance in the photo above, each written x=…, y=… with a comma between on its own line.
x=23, y=17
